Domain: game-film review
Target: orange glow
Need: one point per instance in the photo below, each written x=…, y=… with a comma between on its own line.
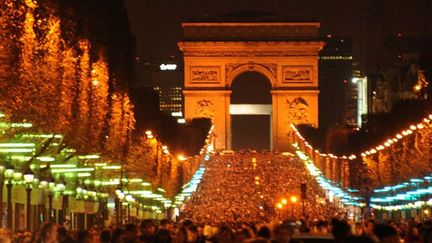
x=284, y=201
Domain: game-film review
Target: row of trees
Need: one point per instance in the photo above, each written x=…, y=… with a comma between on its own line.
x=66, y=66
x=52, y=73
x=408, y=157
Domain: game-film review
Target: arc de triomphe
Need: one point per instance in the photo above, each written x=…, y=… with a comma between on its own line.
x=286, y=53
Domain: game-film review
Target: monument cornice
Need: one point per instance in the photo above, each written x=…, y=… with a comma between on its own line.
x=239, y=24
x=250, y=48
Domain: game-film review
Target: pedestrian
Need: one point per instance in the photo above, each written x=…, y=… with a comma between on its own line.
x=47, y=233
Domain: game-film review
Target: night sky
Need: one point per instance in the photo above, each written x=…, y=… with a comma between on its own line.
x=157, y=23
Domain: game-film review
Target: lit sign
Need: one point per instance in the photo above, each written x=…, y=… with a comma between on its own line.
x=177, y=114
x=168, y=67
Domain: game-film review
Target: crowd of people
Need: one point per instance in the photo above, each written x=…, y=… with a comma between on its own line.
x=236, y=202
x=245, y=187
x=287, y=231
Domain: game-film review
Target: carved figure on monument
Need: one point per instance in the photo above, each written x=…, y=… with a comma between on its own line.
x=297, y=75
x=204, y=75
x=205, y=108
x=298, y=111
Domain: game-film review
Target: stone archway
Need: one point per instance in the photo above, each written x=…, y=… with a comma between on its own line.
x=251, y=111
x=289, y=62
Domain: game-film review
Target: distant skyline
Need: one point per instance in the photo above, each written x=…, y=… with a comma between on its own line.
x=156, y=24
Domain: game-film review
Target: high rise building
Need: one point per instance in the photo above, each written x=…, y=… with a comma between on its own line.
x=335, y=73
x=166, y=79
x=359, y=99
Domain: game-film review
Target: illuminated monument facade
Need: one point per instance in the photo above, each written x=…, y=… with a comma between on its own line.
x=216, y=51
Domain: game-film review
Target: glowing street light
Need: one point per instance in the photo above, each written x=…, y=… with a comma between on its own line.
x=294, y=199
x=9, y=172
x=28, y=179
x=279, y=205
x=181, y=157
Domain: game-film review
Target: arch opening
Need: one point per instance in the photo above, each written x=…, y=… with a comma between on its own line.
x=251, y=110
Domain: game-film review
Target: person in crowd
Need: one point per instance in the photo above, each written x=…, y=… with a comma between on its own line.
x=105, y=236
x=341, y=230
x=163, y=236
x=224, y=234
x=427, y=235
x=386, y=233
x=368, y=228
x=64, y=236
x=242, y=235
x=165, y=224
x=358, y=229
x=130, y=234
x=148, y=231
x=192, y=234
x=181, y=235
x=84, y=237
x=264, y=232
x=47, y=233
x=413, y=233
x=283, y=233
x=117, y=234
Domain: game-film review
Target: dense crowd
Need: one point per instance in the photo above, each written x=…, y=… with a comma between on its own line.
x=287, y=231
x=245, y=187
x=235, y=203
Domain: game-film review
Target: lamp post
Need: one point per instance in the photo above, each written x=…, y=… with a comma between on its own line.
x=284, y=202
x=294, y=200
x=119, y=202
x=2, y=169
x=9, y=172
x=28, y=179
x=61, y=187
x=279, y=206
x=129, y=200
x=51, y=185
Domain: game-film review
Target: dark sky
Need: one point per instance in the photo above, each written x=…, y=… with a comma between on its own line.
x=157, y=23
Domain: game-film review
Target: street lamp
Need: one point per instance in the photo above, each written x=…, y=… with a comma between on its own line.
x=119, y=205
x=61, y=186
x=279, y=206
x=51, y=185
x=8, y=173
x=2, y=169
x=129, y=200
x=293, y=200
x=28, y=179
